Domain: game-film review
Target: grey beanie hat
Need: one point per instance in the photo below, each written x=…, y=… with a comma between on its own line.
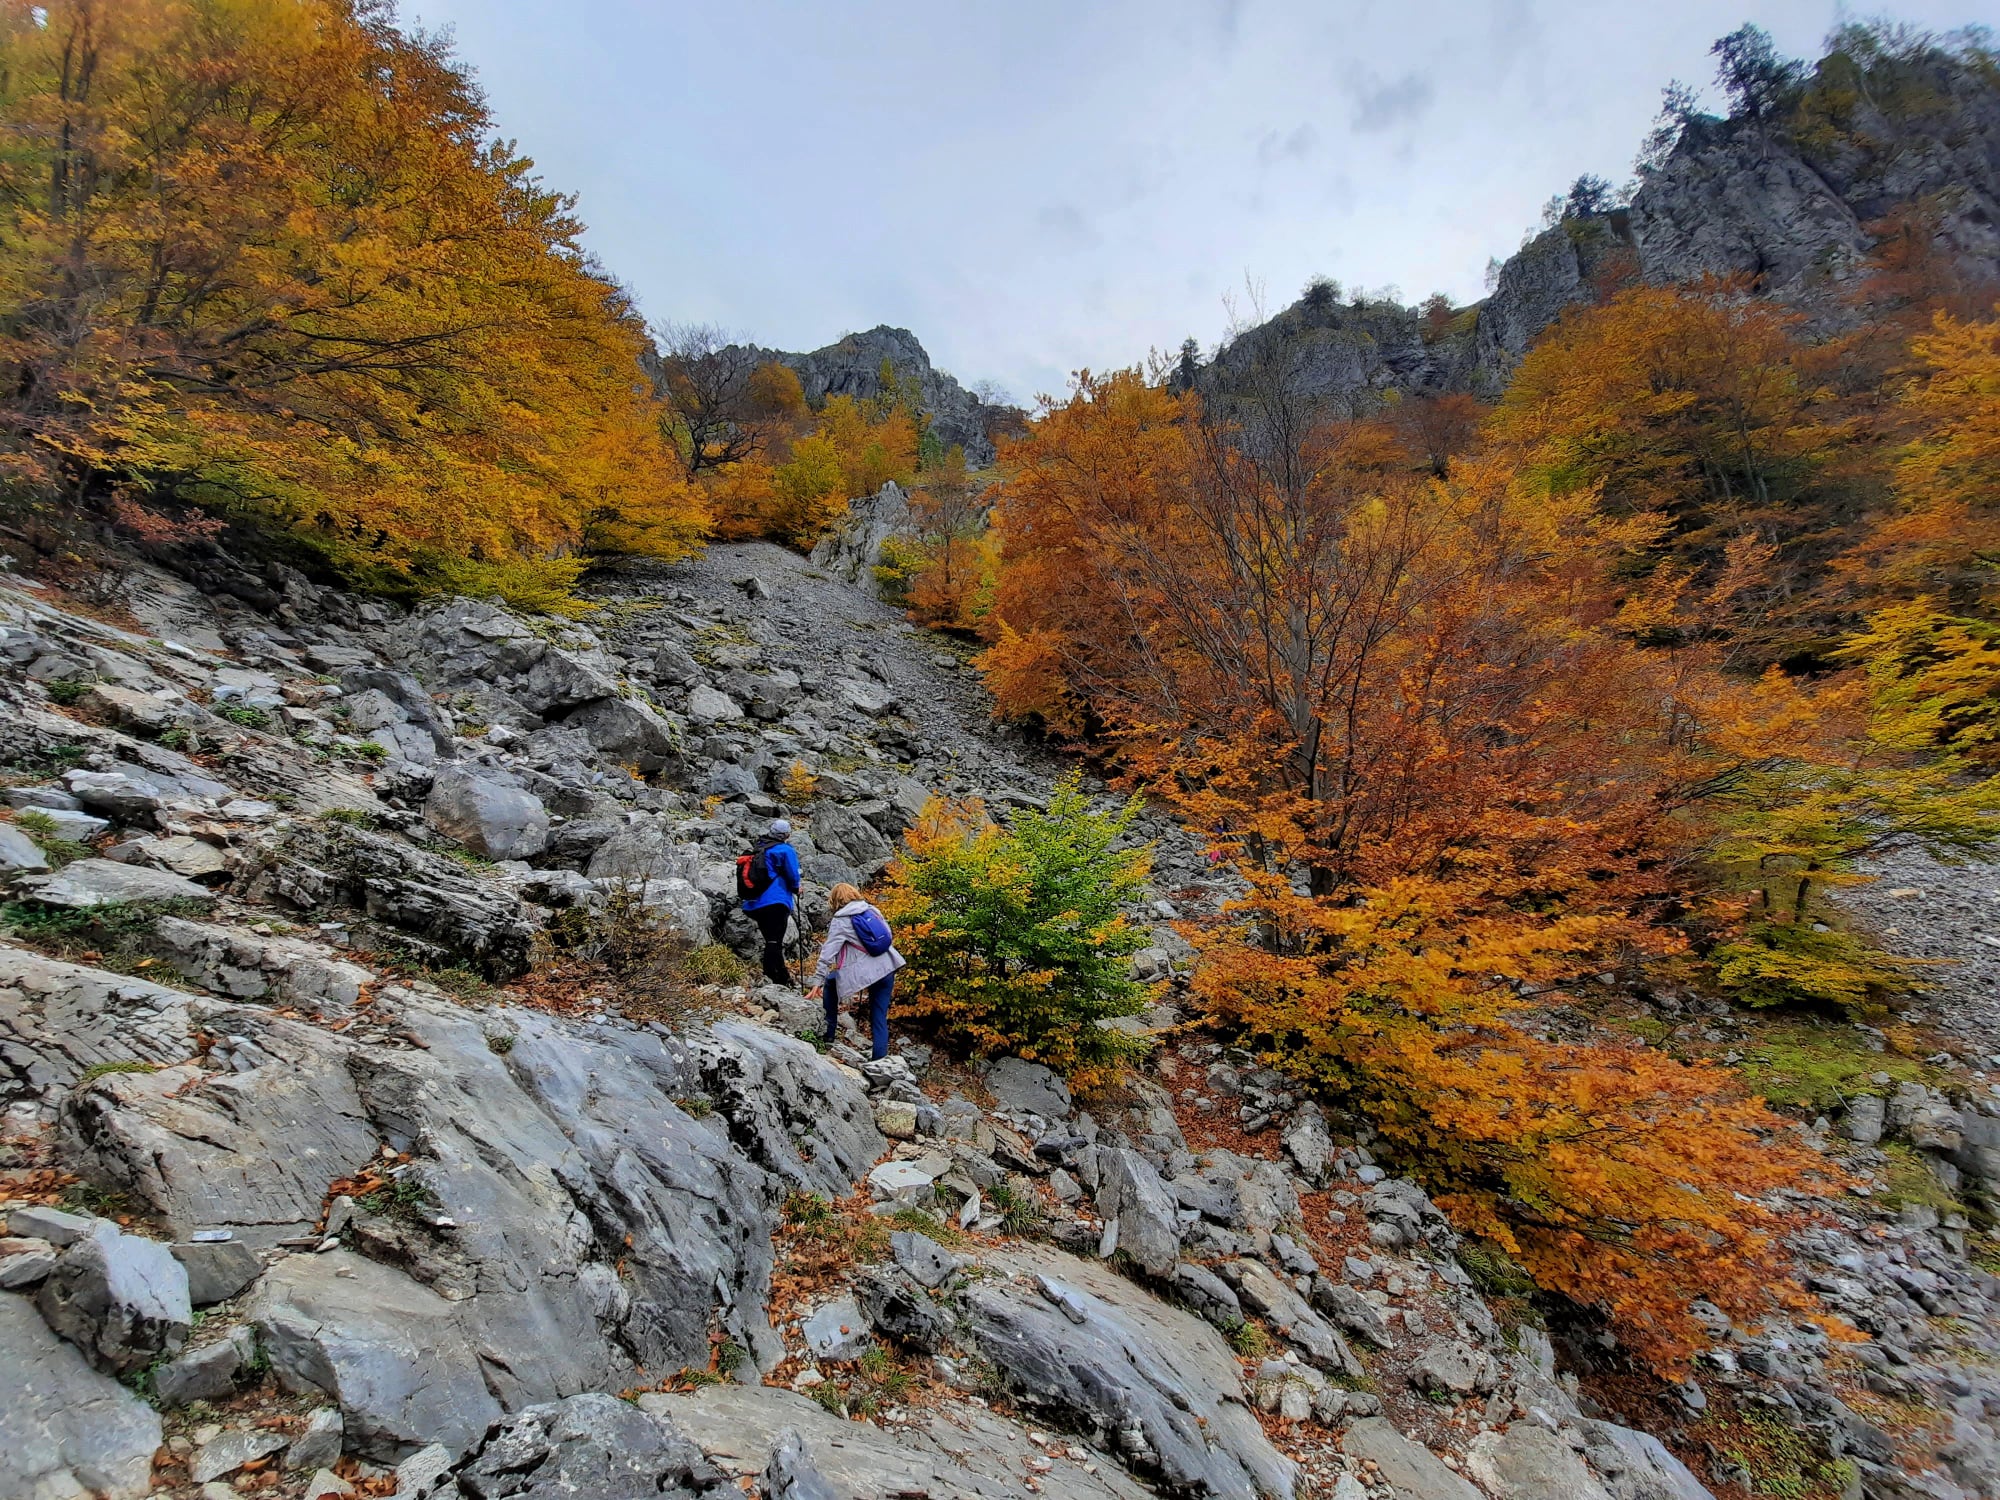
x=780, y=827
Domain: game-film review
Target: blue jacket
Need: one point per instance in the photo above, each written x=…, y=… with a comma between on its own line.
x=784, y=887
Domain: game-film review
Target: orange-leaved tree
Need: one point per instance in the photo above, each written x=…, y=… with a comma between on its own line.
x=1418, y=715
x=266, y=256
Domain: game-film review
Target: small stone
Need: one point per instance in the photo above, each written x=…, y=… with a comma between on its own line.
x=25, y=1262
x=50, y=1224
x=230, y=1450
x=217, y=1269
x=1067, y=1301
x=19, y=852
x=837, y=1331
x=896, y=1119
x=340, y=1215
x=326, y=1485
x=904, y=1183
x=319, y=1443
x=928, y=1262
x=204, y=1374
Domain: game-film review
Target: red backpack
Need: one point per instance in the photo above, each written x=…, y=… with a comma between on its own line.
x=753, y=873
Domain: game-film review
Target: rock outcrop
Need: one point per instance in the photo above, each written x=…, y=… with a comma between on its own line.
x=65, y=1428
x=853, y=367
x=1794, y=215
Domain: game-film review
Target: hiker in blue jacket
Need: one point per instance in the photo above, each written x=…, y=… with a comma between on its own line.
x=859, y=954
x=767, y=881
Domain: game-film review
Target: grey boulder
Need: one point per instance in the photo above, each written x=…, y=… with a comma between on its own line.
x=837, y=1330
x=803, y=1452
x=1449, y=1365
x=1637, y=1466
x=58, y=1020
x=230, y=1450
x=1310, y=1144
x=52, y=1225
x=208, y=1373
x=319, y=1443
x=121, y=1299
x=848, y=836
x=1131, y=1195
x=387, y=1350
x=1409, y=1470
x=590, y=1445
x=106, y=882
x=896, y=1305
x=425, y=894
x=486, y=815
x=627, y=732
x=1528, y=1462
x=1147, y=1381
x=18, y=852
x=1028, y=1088
x=928, y=1262
x=1264, y=1291
x=1350, y=1311
x=66, y=1429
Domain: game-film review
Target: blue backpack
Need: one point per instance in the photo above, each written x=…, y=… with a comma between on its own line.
x=871, y=932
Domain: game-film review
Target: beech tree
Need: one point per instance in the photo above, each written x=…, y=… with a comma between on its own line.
x=268, y=257
x=1390, y=700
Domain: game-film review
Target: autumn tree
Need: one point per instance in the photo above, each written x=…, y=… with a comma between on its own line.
x=727, y=403
x=268, y=257
x=1389, y=698
x=1940, y=538
x=1438, y=428
x=953, y=562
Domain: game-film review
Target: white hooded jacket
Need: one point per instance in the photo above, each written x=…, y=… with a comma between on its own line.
x=844, y=963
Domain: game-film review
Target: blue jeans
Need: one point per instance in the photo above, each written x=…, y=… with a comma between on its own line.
x=879, y=995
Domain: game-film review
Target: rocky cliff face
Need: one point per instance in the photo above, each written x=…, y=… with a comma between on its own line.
x=853, y=367
x=434, y=1225
x=1790, y=211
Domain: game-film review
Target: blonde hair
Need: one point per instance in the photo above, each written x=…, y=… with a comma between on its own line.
x=842, y=895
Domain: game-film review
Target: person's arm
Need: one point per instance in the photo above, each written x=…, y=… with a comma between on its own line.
x=788, y=869
x=838, y=935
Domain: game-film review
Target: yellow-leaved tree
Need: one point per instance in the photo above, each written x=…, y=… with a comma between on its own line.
x=267, y=256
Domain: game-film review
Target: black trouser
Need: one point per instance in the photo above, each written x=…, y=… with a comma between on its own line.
x=771, y=921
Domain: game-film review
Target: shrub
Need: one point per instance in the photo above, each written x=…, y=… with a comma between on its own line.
x=799, y=786
x=714, y=963
x=66, y=690
x=1015, y=938
x=652, y=972
x=40, y=827
x=245, y=715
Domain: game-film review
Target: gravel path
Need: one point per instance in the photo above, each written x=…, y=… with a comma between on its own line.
x=805, y=620
x=1924, y=908
x=810, y=620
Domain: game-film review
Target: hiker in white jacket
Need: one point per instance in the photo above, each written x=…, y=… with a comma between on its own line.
x=846, y=968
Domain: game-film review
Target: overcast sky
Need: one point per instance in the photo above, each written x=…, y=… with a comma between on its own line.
x=1043, y=185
